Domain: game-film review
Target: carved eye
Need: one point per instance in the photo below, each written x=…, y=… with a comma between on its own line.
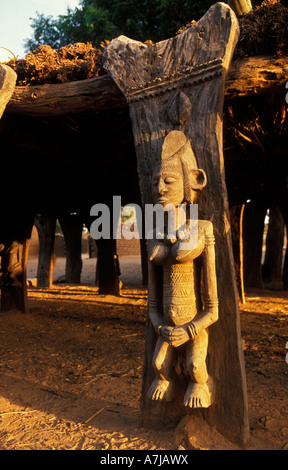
x=156, y=181
x=170, y=180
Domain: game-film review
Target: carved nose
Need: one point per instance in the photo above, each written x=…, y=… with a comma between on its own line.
x=162, y=189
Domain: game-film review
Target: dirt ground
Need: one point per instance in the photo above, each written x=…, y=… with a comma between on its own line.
x=70, y=370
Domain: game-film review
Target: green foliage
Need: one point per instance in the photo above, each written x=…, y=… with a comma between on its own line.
x=97, y=20
x=59, y=32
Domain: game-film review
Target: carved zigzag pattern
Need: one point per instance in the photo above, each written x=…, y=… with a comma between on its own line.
x=185, y=278
x=172, y=291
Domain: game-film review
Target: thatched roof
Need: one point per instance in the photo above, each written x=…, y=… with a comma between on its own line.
x=74, y=62
x=263, y=31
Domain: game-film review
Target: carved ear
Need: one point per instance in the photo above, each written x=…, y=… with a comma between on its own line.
x=193, y=180
x=198, y=179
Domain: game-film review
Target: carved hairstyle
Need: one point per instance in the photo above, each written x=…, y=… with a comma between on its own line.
x=176, y=146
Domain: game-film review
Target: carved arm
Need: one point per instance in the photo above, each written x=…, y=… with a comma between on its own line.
x=154, y=297
x=211, y=311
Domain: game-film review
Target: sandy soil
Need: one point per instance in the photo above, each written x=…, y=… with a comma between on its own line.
x=70, y=370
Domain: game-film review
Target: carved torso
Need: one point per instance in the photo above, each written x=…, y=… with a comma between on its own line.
x=180, y=299
x=181, y=277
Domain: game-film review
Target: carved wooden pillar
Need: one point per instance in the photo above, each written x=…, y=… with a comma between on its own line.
x=178, y=84
x=7, y=84
x=15, y=228
x=13, y=280
x=15, y=237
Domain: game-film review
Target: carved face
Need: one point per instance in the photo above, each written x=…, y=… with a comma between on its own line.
x=168, y=185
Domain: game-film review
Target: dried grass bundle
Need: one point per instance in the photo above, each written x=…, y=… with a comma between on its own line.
x=264, y=31
x=74, y=62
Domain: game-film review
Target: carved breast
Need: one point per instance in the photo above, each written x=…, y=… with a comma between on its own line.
x=181, y=291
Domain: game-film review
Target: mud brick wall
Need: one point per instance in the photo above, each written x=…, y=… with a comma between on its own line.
x=128, y=247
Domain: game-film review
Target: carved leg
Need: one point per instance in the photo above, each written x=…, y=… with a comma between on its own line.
x=198, y=393
x=162, y=387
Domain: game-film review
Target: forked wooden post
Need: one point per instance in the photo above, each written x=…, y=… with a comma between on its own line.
x=241, y=7
x=178, y=85
x=14, y=261
x=7, y=85
x=14, y=246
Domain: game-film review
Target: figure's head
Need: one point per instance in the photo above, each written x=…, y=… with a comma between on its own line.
x=178, y=180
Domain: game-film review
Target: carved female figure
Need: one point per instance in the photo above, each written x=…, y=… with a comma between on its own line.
x=180, y=309
x=10, y=264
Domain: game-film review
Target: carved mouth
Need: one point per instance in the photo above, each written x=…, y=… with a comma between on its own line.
x=161, y=200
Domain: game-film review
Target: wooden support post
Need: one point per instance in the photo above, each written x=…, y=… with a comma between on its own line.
x=253, y=232
x=273, y=261
x=7, y=85
x=46, y=226
x=15, y=237
x=14, y=249
x=241, y=7
x=144, y=261
x=236, y=218
x=72, y=227
x=144, y=254
x=285, y=270
x=178, y=84
x=107, y=267
x=13, y=279
x=282, y=201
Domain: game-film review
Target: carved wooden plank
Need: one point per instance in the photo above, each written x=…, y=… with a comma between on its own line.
x=7, y=84
x=247, y=76
x=188, y=73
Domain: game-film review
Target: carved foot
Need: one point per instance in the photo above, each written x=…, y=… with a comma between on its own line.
x=197, y=396
x=7, y=281
x=161, y=390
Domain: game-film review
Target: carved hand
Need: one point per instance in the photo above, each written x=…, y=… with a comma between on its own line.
x=179, y=336
x=175, y=336
x=166, y=333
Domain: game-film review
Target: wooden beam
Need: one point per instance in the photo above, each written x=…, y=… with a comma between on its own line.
x=256, y=75
x=92, y=95
x=247, y=76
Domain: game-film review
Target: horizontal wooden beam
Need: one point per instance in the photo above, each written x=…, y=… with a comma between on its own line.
x=92, y=95
x=256, y=75
x=246, y=77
